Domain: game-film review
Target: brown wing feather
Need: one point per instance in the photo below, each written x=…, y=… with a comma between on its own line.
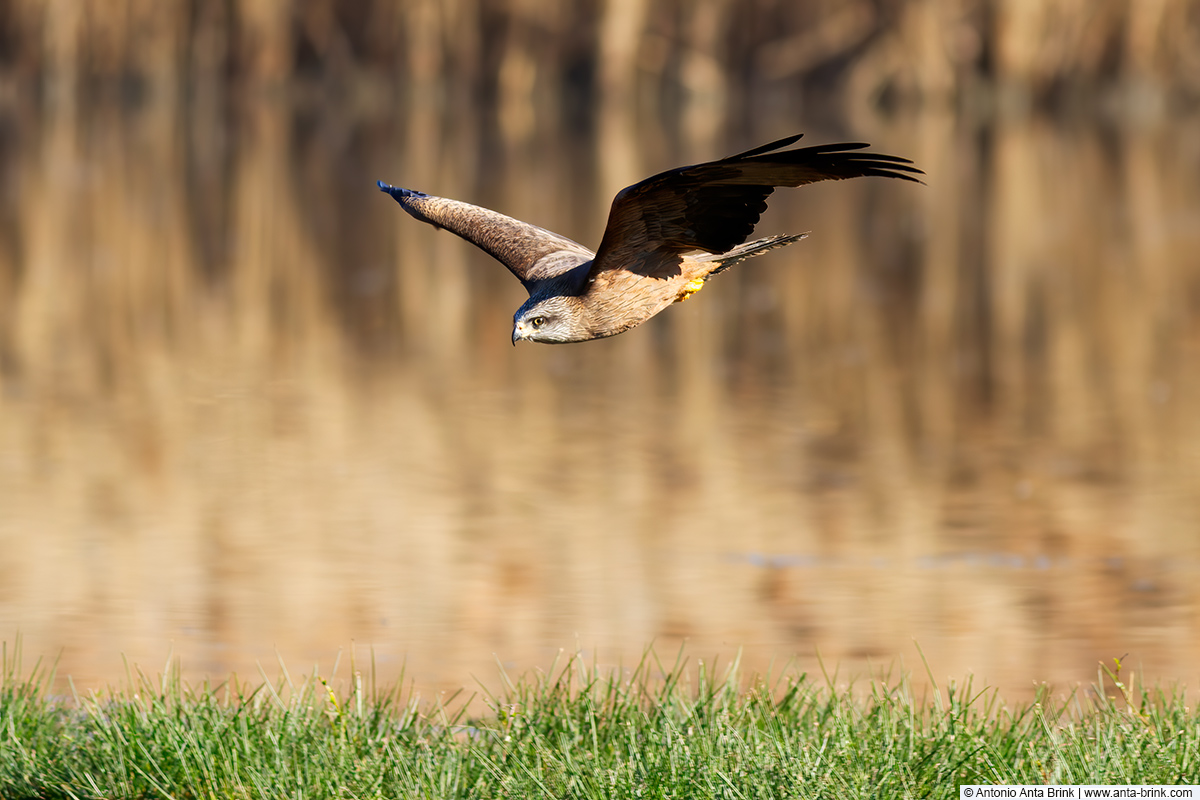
x=531, y=253
x=714, y=206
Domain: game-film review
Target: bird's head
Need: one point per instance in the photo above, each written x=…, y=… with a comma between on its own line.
x=553, y=320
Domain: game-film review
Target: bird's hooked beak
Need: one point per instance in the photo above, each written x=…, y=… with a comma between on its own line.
x=518, y=332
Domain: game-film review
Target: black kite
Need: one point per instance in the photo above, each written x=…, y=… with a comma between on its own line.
x=666, y=236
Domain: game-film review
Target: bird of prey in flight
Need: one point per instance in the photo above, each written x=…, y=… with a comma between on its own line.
x=665, y=237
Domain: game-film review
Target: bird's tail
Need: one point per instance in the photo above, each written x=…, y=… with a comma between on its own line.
x=751, y=249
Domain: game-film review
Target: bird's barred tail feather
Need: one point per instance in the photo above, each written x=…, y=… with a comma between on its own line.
x=752, y=249
x=723, y=261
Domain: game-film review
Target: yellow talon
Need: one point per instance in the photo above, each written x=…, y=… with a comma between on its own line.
x=689, y=289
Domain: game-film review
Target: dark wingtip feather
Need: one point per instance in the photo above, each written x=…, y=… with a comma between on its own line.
x=841, y=154
x=766, y=148
x=883, y=166
x=838, y=147
x=398, y=192
x=890, y=173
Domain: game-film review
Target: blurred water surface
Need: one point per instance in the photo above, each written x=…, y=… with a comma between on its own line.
x=248, y=407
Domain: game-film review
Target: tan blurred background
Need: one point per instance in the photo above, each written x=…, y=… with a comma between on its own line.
x=248, y=407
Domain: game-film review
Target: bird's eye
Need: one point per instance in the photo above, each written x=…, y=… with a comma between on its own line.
x=538, y=321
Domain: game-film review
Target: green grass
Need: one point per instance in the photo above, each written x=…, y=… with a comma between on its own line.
x=577, y=731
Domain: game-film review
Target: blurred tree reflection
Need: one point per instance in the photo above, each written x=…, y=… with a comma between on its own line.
x=940, y=51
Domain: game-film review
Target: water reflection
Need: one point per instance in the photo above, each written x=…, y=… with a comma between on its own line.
x=248, y=406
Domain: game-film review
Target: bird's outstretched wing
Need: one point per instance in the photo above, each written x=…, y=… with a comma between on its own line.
x=713, y=207
x=531, y=253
